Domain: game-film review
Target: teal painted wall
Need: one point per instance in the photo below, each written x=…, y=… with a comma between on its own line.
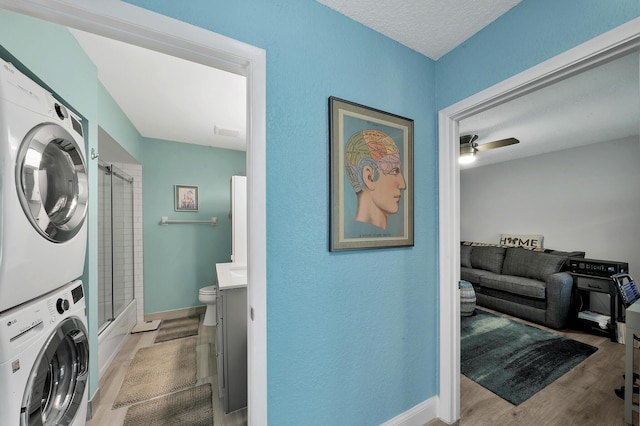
x=352, y=336
x=528, y=34
x=179, y=259
x=117, y=125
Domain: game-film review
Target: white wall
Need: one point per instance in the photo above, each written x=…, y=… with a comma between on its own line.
x=578, y=199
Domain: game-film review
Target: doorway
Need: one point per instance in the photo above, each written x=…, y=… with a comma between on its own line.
x=143, y=28
x=609, y=46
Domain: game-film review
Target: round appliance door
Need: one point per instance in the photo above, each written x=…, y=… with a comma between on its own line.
x=51, y=179
x=59, y=376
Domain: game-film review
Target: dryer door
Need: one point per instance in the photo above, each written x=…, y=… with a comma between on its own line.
x=59, y=376
x=51, y=178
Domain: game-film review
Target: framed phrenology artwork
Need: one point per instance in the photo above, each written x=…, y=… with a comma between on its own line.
x=371, y=178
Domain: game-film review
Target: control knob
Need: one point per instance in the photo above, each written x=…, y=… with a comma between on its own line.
x=62, y=305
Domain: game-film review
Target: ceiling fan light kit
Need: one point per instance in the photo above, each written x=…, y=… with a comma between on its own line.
x=467, y=154
x=469, y=147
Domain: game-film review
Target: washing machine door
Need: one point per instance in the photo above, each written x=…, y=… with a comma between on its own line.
x=51, y=180
x=59, y=376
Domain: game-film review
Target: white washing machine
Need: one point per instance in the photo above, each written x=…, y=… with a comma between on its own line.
x=43, y=191
x=44, y=360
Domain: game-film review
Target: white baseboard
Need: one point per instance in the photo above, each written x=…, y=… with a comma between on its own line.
x=419, y=415
x=176, y=313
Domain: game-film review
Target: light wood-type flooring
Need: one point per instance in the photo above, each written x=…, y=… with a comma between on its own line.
x=104, y=415
x=584, y=396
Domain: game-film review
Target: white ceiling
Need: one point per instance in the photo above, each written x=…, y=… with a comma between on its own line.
x=173, y=99
x=598, y=105
x=430, y=27
x=170, y=98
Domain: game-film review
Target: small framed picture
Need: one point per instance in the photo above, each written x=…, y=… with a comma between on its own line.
x=186, y=198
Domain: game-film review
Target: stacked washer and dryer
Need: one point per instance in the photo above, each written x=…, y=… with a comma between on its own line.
x=44, y=349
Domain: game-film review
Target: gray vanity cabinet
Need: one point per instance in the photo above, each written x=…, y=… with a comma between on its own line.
x=231, y=347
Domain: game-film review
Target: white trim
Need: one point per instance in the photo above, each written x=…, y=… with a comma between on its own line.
x=610, y=45
x=135, y=25
x=419, y=415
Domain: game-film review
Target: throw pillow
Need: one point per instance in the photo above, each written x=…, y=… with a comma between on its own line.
x=516, y=262
x=488, y=258
x=543, y=265
x=529, y=264
x=517, y=240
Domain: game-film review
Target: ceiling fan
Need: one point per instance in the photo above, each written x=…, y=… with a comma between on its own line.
x=469, y=147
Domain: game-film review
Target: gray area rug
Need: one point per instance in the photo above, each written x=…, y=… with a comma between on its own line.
x=512, y=359
x=192, y=407
x=177, y=328
x=157, y=370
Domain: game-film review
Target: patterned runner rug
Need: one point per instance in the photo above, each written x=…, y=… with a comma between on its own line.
x=515, y=360
x=157, y=370
x=192, y=407
x=177, y=328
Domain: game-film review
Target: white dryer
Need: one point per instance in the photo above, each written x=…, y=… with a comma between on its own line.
x=43, y=191
x=44, y=360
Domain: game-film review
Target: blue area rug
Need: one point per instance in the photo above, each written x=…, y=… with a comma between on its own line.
x=515, y=360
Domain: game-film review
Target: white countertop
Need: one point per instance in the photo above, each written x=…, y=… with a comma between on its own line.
x=231, y=275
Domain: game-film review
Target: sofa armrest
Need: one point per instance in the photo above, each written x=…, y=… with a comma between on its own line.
x=559, y=288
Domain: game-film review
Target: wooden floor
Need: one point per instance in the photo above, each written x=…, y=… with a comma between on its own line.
x=584, y=396
x=104, y=415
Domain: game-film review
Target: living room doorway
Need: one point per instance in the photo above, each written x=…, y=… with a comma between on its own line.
x=611, y=45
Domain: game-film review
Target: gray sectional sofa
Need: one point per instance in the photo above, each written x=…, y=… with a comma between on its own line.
x=529, y=284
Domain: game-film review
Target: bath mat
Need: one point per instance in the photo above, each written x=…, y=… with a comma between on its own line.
x=157, y=370
x=515, y=360
x=145, y=326
x=192, y=407
x=177, y=328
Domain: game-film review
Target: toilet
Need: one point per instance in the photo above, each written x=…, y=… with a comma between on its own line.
x=208, y=295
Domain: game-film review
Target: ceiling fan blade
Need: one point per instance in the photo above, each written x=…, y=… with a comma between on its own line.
x=497, y=144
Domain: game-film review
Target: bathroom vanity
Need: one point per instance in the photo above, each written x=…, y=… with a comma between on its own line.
x=231, y=338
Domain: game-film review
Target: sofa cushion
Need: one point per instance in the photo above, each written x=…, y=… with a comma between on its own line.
x=568, y=254
x=473, y=275
x=516, y=285
x=530, y=264
x=465, y=256
x=489, y=258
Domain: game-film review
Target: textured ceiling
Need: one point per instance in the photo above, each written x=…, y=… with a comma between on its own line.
x=431, y=27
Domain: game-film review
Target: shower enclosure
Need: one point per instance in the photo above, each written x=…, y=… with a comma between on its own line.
x=115, y=245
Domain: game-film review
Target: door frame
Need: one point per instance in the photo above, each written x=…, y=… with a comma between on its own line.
x=141, y=27
x=601, y=49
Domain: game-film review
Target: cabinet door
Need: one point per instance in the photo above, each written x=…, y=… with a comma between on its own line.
x=220, y=344
x=235, y=347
